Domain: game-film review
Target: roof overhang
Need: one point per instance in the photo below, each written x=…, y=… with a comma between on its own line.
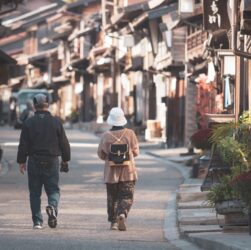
x=40, y=58
x=76, y=6
x=82, y=32
x=6, y=59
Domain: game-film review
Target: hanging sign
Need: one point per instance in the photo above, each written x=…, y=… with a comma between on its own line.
x=215, y=15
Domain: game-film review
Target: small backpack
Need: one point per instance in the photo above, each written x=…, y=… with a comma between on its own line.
x=118, y=152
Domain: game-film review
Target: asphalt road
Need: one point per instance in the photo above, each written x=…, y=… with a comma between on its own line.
x=82, y=219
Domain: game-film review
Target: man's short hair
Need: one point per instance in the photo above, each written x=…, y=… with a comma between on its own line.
x=41, y=101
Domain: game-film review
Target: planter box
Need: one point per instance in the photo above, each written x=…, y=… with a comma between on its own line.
x=229, y=207
x=238, y=219
x=233, y=213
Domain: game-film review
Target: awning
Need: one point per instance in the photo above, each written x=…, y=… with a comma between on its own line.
x=134, y=24
x=59, y=82
x=60, y=36
x=13, y=82
x=40, y=59
x=78, y=65
x=64, y=16
x=56, y=83
x=128, y=13
x=76, y=6
x=100, y=64
x=168, y=13
x=39, y=84
x=6, y=59
x=154, y=3
x=82, y=32
x=159, y=12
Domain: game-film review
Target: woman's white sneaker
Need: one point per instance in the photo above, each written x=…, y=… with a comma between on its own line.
x=121, y=222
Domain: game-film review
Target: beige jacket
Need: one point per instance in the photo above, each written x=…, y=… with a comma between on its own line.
x=116, y=174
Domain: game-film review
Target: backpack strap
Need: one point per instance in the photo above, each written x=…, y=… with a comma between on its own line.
x=115, y=137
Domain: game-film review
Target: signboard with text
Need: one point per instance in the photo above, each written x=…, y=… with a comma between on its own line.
x=215, y=15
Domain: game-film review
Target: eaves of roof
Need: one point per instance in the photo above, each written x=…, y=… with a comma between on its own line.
x=63, y=16
x=42, y=54
x=138, y=13
x=159, y=12
x=81, y=3
x=31, y=14
x=12, y=38
x=6, y=59
x=37, y=19
x=80, y=33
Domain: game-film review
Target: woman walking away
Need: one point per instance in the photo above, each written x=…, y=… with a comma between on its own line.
x=117, y=148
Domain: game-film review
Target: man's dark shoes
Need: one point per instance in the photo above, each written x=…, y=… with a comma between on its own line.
x=52, y=216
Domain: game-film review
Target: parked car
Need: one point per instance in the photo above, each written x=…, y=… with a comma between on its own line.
x=23, y=96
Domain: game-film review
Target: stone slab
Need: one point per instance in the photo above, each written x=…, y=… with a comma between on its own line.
x=221, y=241
x=193, y=204
x=199, y=229
x=202, y=216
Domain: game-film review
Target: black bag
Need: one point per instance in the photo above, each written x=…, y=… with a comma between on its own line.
x=119, y=152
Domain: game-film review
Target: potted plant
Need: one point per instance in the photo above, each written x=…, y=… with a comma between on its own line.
x=242, y=187
x=233, y=143
x=223, y=198
x=221, y=194
x=201, y=139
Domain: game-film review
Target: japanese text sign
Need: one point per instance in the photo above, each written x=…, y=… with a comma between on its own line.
x=215, y=15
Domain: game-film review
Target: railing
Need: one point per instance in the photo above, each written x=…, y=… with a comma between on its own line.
x=195, y=42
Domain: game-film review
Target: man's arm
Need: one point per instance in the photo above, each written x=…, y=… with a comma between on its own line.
x=23, y=146
x=22, y=168
x=65, y=146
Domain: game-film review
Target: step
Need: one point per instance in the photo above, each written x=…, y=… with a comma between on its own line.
x=193, y=204
x=185, y=196
x=186, y=229
x=202, y=216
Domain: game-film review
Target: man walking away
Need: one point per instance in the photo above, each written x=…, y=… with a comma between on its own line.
x=28, y=112
x=42, y=141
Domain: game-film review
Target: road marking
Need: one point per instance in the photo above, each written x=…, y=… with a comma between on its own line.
x=73, y=144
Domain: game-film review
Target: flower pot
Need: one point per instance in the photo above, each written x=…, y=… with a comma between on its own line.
x=229, y=207
x=233, y=213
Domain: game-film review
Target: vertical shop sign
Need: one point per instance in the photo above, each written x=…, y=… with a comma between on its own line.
x=215, y=15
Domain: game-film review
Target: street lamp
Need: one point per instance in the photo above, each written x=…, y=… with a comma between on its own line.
x=186, y=7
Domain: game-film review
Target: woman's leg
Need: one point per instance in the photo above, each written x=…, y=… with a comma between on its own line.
x=125, y=196
x=112, y=201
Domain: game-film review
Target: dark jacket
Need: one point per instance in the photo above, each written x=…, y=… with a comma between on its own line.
x=43, y=134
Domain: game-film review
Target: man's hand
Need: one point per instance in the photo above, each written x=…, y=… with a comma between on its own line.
x=64, y=167
x=22, y=168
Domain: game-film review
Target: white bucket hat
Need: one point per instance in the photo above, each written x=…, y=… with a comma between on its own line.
x=116, y=117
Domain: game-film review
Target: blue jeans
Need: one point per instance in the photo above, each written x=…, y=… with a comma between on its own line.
x=43, y=172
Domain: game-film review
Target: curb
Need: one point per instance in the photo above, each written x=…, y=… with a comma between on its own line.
x=171, y=228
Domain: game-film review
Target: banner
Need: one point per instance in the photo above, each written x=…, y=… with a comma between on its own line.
x=215, y=15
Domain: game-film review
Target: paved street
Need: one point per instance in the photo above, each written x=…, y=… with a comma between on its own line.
x=82, y=212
